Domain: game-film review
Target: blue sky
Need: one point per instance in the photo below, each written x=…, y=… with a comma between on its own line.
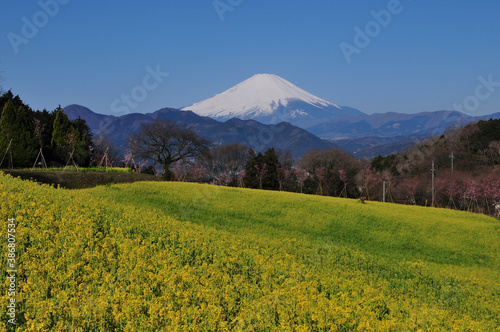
x=428, y=56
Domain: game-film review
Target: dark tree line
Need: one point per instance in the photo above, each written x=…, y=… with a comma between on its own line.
x=24, y=131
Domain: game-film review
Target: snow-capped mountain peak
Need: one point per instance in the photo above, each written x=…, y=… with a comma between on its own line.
x=269, y=99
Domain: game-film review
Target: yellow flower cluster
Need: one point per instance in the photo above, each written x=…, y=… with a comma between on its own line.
x=87, y=265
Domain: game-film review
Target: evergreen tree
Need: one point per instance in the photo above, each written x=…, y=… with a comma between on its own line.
x=83, y=143
x=61, y=129
x=271, y=161
x=60, y=135
x=250, y=179
x=16, y=124
x=261, y=170
x=20, y=122
x=8, y=96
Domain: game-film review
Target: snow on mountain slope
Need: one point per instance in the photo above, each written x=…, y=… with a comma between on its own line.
x=270, y=99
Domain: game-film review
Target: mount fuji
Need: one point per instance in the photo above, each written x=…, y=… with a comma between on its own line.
x=270, y=99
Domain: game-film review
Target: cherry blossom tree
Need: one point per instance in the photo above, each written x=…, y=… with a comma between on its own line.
x=199, y=172
x=179, y=170
x=141, y=165
x=241, y=178
x=129, y=161
x=491, y=192
x=453, y=192
x=283, y=175
x=439, y=186
x=301, y=176
x=411, y=185
x=39, y=129
x=224, y=179
x=472, y=193
x=370, y=180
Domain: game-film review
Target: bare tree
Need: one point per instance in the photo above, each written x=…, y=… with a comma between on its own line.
x=325, y=165
x=166, y=142
x=494, y=152
x=229, y=159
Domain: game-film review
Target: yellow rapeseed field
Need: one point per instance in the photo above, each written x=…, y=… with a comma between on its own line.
x=186, y=257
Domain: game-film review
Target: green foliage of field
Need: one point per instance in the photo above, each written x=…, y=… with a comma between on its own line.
x=175, y=256
x=386, y=230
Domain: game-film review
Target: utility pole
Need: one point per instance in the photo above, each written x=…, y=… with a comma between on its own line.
x=452, y=157
x=383, y=192
x=433, y=193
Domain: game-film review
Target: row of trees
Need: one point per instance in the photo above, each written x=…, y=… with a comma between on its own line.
x=474, y=147
x=27, y=136
x=466, y=173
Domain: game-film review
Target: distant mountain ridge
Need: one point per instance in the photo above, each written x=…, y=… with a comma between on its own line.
x=94, y=120
x=270, y=99
x=364, y=136
x=391, y=132
x=260, y=137
x=268, y=111
x=390, y=125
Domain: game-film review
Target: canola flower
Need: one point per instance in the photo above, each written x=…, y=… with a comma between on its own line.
x=90, y=261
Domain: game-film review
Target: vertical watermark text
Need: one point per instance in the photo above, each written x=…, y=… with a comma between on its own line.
x=11, y=270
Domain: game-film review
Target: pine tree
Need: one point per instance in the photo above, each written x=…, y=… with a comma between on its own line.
x=16, y=124
x=17, y=102
x=61, y=130
x=62, y=127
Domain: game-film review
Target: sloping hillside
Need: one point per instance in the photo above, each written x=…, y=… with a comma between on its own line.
x=166, y=256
